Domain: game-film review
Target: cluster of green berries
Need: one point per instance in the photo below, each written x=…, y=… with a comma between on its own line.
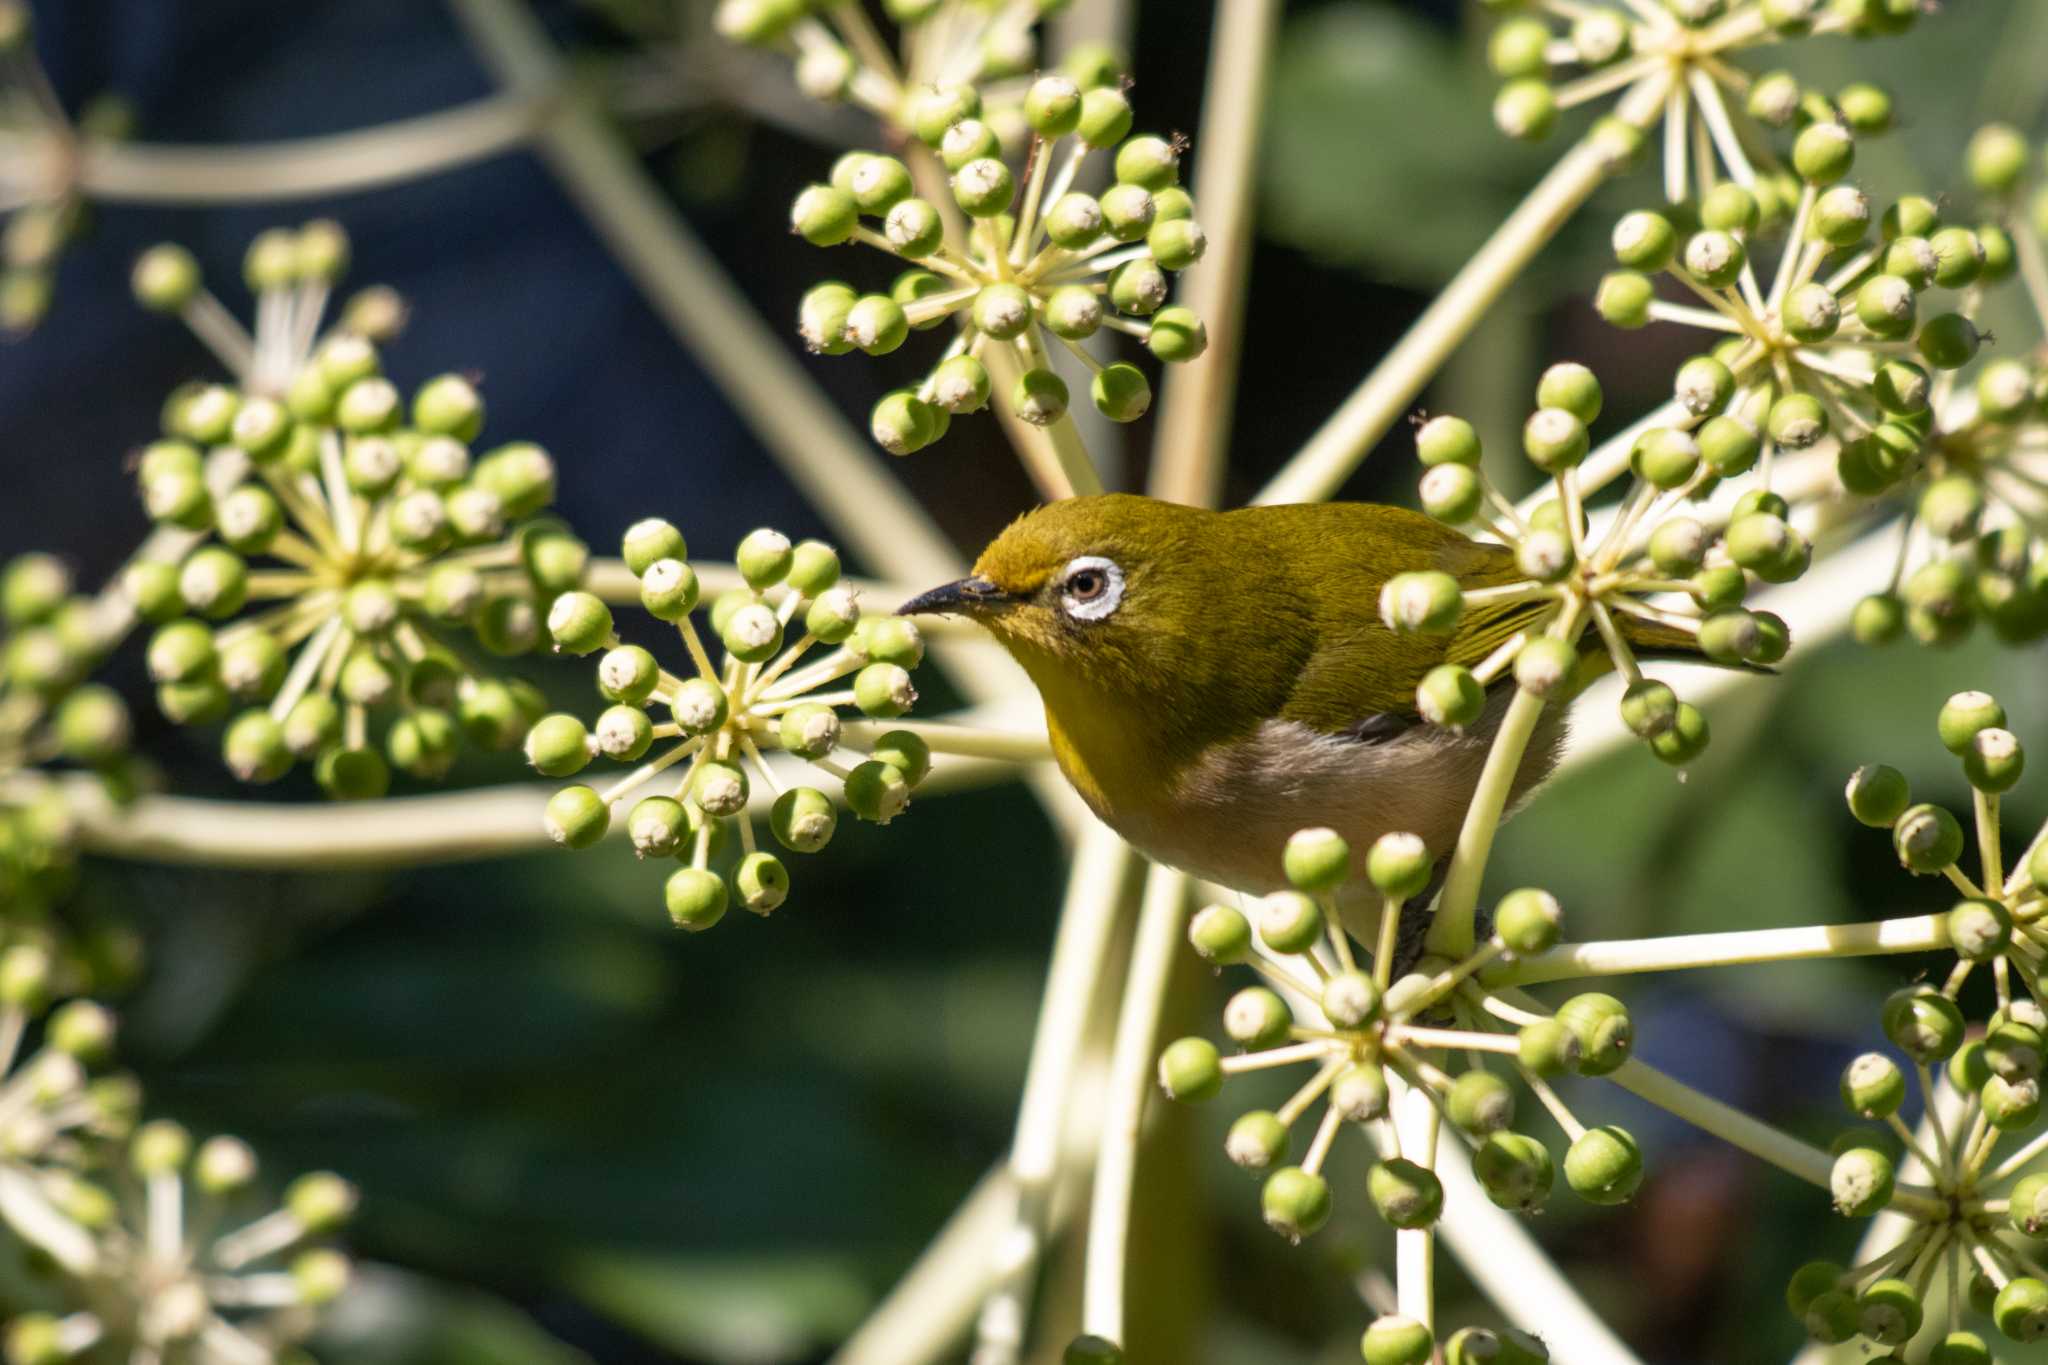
x=1651, y=568
x=1369, y=1036
x=1680, y=50
x=47, y=214
x=1035, y=259
x=325, y=546
x=2000, y=920
x=1984, y=1223
x=127, y=1217
x=724, y=718
x=50, y=639
x=837, y=56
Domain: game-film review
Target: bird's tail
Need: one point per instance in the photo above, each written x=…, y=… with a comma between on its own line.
x=1653, y=639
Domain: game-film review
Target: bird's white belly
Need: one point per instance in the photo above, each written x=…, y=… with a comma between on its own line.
x=1233, y=809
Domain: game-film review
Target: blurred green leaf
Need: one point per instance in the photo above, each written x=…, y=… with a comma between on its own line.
x=390, y=1317
x=728, y=1309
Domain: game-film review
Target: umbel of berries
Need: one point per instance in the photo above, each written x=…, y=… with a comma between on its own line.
x=803, y=672
x=330, y=553
x=1018, y=262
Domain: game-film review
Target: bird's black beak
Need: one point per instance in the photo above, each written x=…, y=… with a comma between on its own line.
x=968, y=595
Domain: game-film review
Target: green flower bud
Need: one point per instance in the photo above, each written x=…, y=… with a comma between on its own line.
x=24, y=976
x=883, y=691
x=1528, y=921
x=983, y=187
x=1514, y=1169
x=821, y=320
x=1350, y=1000
x=905, y=752
x=1547, y=1047
x=577, y=817
x=1405, y=1194
x=1148, y=161
x=1121, y=392
x=1074, y=221
x=808, y=731
x=1554, y=440
x=1968, y=1069
x=1604, y=1166
x=1997, y=158
x=1889, y=1312
x=1963, y=716
x=696, y=898
x=1665, y=457
x=2000, y=256
x=1571, y=388
x=877, y=792
x=932, y=110
x=961, y=384
x=1823, y=153
x=1994, y=761
x=1177, y=243
x=1678, y=547
x=2011, y=1105
x=1949, y=342
x=658, y=826
x=1603, y=1029
x=760, y=882
x=1289, y=922
x=1190, y=1071
x=1623, y=299
x=1959, y=257
x=1546, y=667
x=1177, y=336
x=1296, y=1203
x=254, y=748
x=1525, y=109
x=824, y=215
x=1105, y=118
x=1256, y=1140
x=1451, y=493
x=1359, y=1094
x=1703, y=386
x=1052, y=106
x=668, y=589
x=1861, y=1182
x=1138, y=288
x=1398, y=1341
x=1927, y=839
x=1040, y=397
x=803, y=820
x=1092, y=1350
x=1220, y=934
x=558, y=745
x=1764, y=544
x=1645, y=241
x=1447, y=440
x=1923, y=1023
x=876, y=324
x=1424, y=602
x=1877, y=795
x=764, y=558
x=1715, y=259
x=1399, y=865
x=1316, y=859
x=180, y=651
x=91, y=726
x=1797, y=421
x=2021, y=1309
x=1886, y=305
x=1841, y=216
x=623, y=733
x=1450, y=695
x=1480, y=1102
x=580, y=623
x=719, y=788
x=902, y=423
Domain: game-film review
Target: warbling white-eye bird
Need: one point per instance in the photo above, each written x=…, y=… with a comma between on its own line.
x=1215, y=681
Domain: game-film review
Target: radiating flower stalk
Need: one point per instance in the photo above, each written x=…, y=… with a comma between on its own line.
x=41, y=212
x=331, y=553
x=837, y=54
x=1367, y=1037
x=179, y=1270
x=1037, y=263
x=799, y=657
x=1716, y=117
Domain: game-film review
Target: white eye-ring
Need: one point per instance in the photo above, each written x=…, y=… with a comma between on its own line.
x=1091, y=587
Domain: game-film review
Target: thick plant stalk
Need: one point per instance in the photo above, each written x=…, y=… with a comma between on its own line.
x=1194, y=418
x=304, y=168
x=1132, y=1069
x=1011, y=1255
x=1618, y=957
x=1321, y=466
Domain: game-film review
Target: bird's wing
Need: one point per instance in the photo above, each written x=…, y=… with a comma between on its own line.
x=1361, y=677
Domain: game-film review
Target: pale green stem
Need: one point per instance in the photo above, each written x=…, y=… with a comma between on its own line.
x=961, y=741
x=1009, y=1258
x=1619, y=957
x=1132, y=1072
x=1321, y=466
x=1197, y=401
x=1415, y=1248
x=932, y=1306
x=313, y=167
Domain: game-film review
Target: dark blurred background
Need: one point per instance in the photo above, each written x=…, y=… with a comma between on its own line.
x=583, y=1136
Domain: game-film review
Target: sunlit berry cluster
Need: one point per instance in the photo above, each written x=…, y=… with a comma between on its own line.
x=328, y=552
x=725, y=718
x=1375, y=1042
x=41, y=212
x=1673, y=61
x=1019, y=261
x=1652, y=580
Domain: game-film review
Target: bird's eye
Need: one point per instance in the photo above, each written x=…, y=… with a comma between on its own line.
x=1091, y=588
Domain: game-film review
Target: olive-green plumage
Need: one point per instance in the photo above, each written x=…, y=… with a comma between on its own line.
x=1242, y=678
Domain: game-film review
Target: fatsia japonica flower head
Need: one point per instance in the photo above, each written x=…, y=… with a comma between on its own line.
x=1669, y=577
x=1016, y=261
x=1374, y=1038
x=789, y=632
x=1673, y=62
x=180, y=1260
x=329, y=550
